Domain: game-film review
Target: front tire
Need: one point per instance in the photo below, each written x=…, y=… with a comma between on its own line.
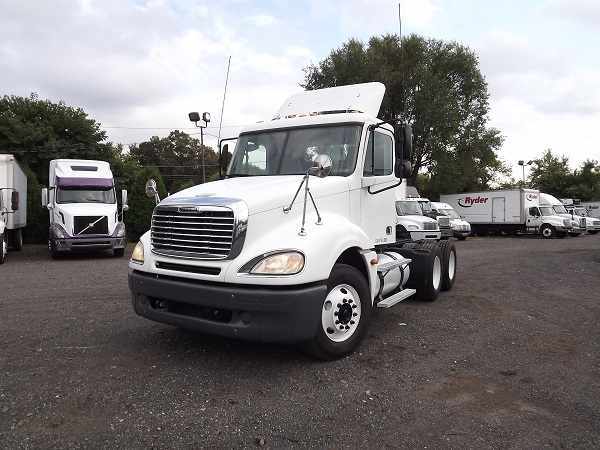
x=3, y=248
x=547, y=231
x=345, y=314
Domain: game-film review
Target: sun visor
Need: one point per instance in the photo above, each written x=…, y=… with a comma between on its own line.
x=82, y=183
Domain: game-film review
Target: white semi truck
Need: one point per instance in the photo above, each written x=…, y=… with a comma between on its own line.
x=13, y=205
x=82, y=205
x=298, y=243
x=508, y=211
x=578, y=223
x=460, y=227
x=592, y=224
x=411, y=224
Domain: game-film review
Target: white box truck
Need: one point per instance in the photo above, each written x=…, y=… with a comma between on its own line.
x=297, y=243
x=508, y=211
x=13, y=202
x=82, y=205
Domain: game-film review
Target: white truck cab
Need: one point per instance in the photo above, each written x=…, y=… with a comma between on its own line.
x=410, y=222
x=442, y=220
x=82, y=206
x=592, y=224
x=578, y=223
x=297, y=243
x=460, y=227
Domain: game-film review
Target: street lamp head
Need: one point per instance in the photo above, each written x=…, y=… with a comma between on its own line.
x=194, y=117
x=521, y=162
x=206, y=116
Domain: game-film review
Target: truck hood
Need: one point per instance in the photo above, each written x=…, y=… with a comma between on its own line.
x=262, y=193
x=414, y=220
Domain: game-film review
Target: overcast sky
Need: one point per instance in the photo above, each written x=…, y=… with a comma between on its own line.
x=147, y=63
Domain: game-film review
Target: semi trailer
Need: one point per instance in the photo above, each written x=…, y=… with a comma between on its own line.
x=508, y=211
x=297, y=244
x=82, y=206
x=13, y=200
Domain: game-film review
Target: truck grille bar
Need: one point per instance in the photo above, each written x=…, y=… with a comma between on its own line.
x=195, y=232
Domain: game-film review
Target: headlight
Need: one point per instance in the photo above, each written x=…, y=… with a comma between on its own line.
x=284, y=263
x=120, y=230
x=59, y=232
x=412, y=227
x=138, y=253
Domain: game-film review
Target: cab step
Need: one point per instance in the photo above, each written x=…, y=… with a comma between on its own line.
x=396, y=298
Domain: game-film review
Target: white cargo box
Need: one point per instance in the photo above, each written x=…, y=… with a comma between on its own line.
x=13, y=177
x=488, y=207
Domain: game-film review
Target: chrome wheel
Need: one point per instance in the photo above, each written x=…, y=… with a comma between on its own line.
x=437, y=273
x=451, y=265
x=341, y=313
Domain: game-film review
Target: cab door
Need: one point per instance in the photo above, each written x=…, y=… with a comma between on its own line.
x=534, y=217
x=378, y=211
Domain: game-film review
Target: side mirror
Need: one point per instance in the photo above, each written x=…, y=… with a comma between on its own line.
x=321, y=166
x=403, y=169
x=407, y=141
x=124, y=205
x=45, y=197
x=14, y=201
x=151, y=190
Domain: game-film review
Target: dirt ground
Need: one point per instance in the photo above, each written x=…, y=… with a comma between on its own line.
x=510, y=358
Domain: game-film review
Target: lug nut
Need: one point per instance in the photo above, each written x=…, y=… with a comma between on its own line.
x=355, y=314
x=350, y=301
x=335, y=313
x=347, y=327
x=337, y=321
x=345, y=300
x=352, y=322
x=339, y=305
x=354, y=306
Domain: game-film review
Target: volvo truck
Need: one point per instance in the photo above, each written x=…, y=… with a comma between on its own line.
x=13, y=201
x=82, y=206
x=297, y=244
x=510, y=211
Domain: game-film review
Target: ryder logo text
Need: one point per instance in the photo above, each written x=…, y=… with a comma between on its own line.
x=468, y=201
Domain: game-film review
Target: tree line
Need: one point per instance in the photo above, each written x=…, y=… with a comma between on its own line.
x=436, y=86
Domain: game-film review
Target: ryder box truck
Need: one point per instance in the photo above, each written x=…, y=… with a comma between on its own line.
x=508, y=211
x=13, y=204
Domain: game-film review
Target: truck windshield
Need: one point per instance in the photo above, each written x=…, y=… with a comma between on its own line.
x=450, y=213
x=87, y=195
x=580, y=212
x=560, y=209
x=404, y=208
x=426, y=206
x=546, y=210
x=290, y=152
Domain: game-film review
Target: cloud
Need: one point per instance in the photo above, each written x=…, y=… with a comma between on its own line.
x=262, y=20
x=585, y=12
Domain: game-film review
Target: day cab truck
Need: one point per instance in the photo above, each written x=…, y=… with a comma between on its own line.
x=578, y=223
x=13, y=205
x=297, y=244
x=410, y=222
x=510, y=211
x=442, y=220
x=82, y=206
x=592, y=224
x=461, y=229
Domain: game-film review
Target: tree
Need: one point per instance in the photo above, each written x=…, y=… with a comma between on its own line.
x=551, y=174
x=438, y=88
x=178, y=158
x=37, y=131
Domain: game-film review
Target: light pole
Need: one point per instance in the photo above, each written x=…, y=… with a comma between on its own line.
x=195, y=117
x=523, y=164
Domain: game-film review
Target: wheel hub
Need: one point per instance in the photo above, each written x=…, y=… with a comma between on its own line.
x=341, y=313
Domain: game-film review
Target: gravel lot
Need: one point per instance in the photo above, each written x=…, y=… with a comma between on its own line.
x=510, y=358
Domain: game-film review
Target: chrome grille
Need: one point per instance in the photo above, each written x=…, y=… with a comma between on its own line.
x=201, y=232
x=443, y=221
x=430, y=226
x=582, y=222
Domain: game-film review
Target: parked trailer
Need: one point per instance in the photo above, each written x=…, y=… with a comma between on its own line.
x=13, y=190
x=82, y=207
x=508, y=211
x=298, y=243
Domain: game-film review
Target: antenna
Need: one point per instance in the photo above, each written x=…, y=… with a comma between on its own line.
x=222, y=110
x=401, y=60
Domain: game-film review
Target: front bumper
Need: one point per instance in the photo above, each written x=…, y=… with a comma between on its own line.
x=89, y=243
x=424, y=235
x=461, y=233
x=258, y=313
x=446, y=233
